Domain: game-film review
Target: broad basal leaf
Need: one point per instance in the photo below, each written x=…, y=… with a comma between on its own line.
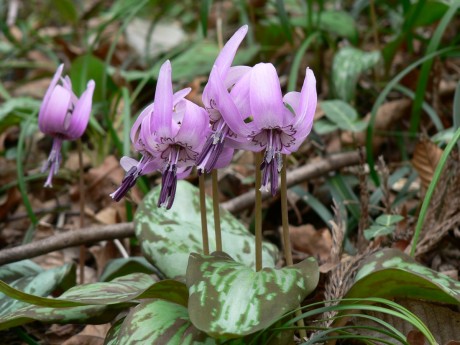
x=348, y=64
x=41, y=284
x=168, y=237
x=94, y=314
x=340, y=23
x=120, y=290
x=343, y=115
x=229, y=300
x=391, y=273
x=159, y=322
x=19, y=269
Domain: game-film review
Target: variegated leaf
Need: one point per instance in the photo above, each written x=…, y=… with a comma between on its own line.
x=41, y=284
x=391, y=273
x=19, y=269
x=93, y=314
x=229, y=300
x=168, y=237
x=112, y=335
x=122, y=266
x=159, y=322
x=120, y=290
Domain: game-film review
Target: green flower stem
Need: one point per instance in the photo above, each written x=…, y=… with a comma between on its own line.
x=286, y=237
x=258, y=210
x=81, y=261
x=204, y=222
x=430, y=191
x=215, y=205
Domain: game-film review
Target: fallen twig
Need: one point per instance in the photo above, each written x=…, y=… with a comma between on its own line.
x=110, y=232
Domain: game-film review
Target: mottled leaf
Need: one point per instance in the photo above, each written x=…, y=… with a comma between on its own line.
x=120, y=290
x=348, y=64
x=159, y=322
x=384, y=225
x=343, y=115
x=167, y=237
x=94, y=314
x=122, y=266
x=391, y=273
x=230, y=300
x=41, y=284
x=324, y=126
x=340, y=23
x=19, y=269
x=112, y=335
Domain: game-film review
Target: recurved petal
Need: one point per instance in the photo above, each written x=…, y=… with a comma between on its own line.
x=194, y=126
x=293, y=100
x=227, y=54
x=180, y=95
x=52, y=117
x=163, y=104
x=240, y=95
x=49, y=91
x=232, y=116
x=234, y=74
x=80, y=116
x=127, y=163
x=225, y=158
x=308, y=99
x=265, y=96
x=135, y=129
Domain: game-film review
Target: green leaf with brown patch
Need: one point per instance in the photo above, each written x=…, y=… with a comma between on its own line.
x=19, y=269
x=391, y=273
x=168, y=237
x=41, y=284
x=121, y=290
x=159, y=322
x=230, y=300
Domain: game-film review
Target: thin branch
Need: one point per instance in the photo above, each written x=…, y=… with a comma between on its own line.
x=66, y=240
x=109, y=232
x=306, y=172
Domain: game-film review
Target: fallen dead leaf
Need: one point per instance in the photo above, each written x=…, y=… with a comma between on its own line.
x=415, y=337
x=307, y=239
x=107, y=216
x=91, y=335
x=425, y=160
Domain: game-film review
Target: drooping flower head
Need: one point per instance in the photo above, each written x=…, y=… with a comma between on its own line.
x=63, y=116
x=215, y=153
x=279, y=125
x=169, y=133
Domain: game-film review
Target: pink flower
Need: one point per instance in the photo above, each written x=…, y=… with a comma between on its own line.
x=63, y=116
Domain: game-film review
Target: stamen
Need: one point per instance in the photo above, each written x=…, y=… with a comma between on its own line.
x=273, y=162
x=169, y=179
x=53, y=162
x=212, y=149
x=130, y=178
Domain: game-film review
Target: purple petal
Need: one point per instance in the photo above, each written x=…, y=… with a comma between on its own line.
x=235, y=74
x=163, y=104
x=227, y=107
x=135, y=129
x=80, y=117
x=293, y=99
x=225, y=158
x=48, y=93
x=52, y=117
x=181, y=94
x=308, y=99
x=227, y=54
x=127, y=163
x=240, y=95
x=194, y=126
x=266, y=99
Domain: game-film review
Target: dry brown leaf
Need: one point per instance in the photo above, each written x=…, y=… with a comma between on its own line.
x=91, y=335
x=425, y=160
x=307, y=239
x=107, y=216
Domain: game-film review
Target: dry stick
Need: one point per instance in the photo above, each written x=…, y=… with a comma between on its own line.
x=204, y=221
x=306, y=172
x=65, y=240
x=215, y=205
x=122, y=230
x=81, y=262
x=286, y=237
x=258, y=210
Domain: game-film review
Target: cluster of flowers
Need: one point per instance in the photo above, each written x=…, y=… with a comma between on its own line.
x=244, y=109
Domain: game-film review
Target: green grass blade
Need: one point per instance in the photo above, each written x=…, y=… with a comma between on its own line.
x=204, y=14
x=318, y=207
x=284, y=18
x=457, y=110
x=22, y=183
x=422, y=82
x=381, y=98
x=298, y=59
x=430, y=191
